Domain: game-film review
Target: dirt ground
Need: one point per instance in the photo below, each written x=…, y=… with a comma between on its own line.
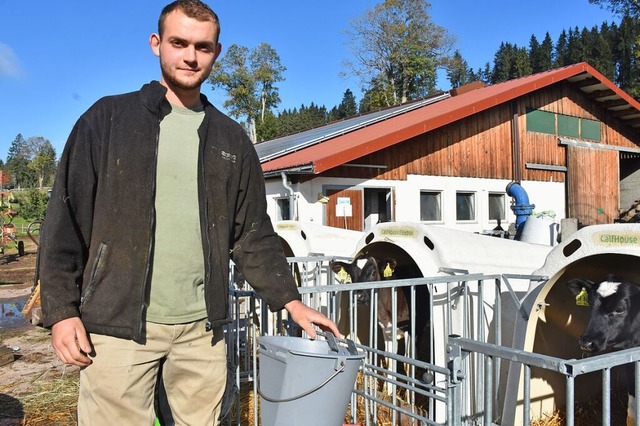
x=35, y=388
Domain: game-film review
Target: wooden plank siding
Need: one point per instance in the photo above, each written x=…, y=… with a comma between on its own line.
x=481, y=146
x=478, y=146
x=593, y=186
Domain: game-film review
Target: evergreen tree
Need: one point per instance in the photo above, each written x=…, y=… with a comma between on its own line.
x=267, y=127
x=600, y=54
x=502, y=63
x=484, y=74
x=347, y=107
x=575, y=47
x=535, y=52
x=520, y=63
x=18, y=159
x=458, y=71
x=561, y=58
x=545, y=57
x=625, y=57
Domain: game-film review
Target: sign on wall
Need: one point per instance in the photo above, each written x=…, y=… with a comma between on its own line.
x=343, y=207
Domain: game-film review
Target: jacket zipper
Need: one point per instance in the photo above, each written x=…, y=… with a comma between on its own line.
x=204, y=221
x=145, y=282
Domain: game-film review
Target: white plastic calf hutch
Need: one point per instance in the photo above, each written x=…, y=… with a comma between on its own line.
x=554, y=322
x=423, y=251
x=430, y=251
x=300, y=239
x=312, y=246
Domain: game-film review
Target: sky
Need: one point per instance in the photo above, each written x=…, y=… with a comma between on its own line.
x=58, y=57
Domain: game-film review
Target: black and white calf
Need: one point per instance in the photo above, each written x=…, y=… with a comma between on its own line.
x=614, y=321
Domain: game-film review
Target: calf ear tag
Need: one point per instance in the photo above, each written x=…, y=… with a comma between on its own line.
x=344, y=276
x=388, y=272
x=582, y=299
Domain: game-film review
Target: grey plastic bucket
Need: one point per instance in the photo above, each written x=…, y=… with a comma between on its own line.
x=306, y=382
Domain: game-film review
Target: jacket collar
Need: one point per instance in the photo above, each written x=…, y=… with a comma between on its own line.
x=152, y=95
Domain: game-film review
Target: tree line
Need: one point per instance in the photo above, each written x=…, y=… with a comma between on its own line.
x=31, y=163
x=396, y=53
x=610, y=48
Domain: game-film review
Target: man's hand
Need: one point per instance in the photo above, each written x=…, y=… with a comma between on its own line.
x=305, y=317
x=70, y=341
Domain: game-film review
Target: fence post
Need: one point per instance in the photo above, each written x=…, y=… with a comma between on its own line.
x=456, y=376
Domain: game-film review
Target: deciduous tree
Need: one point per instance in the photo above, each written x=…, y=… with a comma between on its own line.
x=397, y=50
x=621, y=7
x=249, y=77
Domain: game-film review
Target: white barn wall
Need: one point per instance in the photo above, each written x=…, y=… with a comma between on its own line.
x=546, y=196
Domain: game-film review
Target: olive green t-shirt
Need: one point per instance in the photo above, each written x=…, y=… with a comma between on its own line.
x=177, y=274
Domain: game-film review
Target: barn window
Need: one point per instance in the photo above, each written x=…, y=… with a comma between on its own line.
x=563, y=125
x=541, y=121
x=283, y=211
x=465, y=206
x=496, y=206
x=568, y=126
x=431, y=206
x=590, y=129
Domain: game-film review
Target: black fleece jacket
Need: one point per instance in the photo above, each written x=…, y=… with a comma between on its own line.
x=97, y=236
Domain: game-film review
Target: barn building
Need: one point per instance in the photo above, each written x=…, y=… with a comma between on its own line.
x=569, y=137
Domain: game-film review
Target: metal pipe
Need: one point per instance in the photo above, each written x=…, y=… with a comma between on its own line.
x=292, y=196
x=522, y=208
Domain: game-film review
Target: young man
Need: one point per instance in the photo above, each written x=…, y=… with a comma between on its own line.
x=156, y=190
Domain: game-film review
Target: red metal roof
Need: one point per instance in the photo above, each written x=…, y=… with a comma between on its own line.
x=348, y=147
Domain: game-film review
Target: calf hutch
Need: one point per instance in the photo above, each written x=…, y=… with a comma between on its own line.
x=301, y=239
x=480, y=311
x=554, y=319
x=568, y=136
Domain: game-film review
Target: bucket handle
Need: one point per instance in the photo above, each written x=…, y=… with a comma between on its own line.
x=310, y=391
x=333, y=343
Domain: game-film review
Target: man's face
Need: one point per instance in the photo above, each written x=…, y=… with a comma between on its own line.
x=187, y=51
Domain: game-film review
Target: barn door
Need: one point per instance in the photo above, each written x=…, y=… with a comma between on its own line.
x=592, y=185
x=344, y=209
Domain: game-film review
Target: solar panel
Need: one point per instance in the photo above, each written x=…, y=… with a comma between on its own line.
x=275, y=148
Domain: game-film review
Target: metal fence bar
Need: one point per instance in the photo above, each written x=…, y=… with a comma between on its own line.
x=606, y=397
x=526, y=412
x=488, y=390
x=570, y=388
x=636, y=400
x=569, y=368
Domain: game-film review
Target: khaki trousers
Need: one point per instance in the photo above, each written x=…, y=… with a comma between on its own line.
x=118, y=387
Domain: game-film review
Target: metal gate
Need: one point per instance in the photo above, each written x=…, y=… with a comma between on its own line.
x=459, y=379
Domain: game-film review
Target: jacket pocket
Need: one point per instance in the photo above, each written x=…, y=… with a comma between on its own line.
x=96, y=267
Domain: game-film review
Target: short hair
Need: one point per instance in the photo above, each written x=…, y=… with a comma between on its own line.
x=195, y=9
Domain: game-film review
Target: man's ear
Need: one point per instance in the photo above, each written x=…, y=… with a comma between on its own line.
x=154, y=42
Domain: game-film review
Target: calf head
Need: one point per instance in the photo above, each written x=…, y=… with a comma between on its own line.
x=369, y=272
x=614, y=322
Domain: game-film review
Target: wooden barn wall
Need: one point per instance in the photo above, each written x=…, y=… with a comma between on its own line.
x=478, y=146
x=592, y=185
x=481, y=145
x=545, y=149
x=592, y=177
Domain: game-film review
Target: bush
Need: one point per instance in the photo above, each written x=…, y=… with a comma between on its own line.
x=33, y=204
